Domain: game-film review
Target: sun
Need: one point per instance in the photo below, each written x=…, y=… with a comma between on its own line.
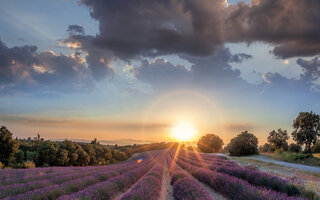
x=183, y=131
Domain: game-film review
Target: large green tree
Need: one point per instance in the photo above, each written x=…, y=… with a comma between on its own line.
x=47, y=153
x=8, y=145
x=278, y=139
x=306, y=129
x=210, y=143
x=244, y=144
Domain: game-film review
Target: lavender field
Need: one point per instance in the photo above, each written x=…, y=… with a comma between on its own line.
x=162, y=174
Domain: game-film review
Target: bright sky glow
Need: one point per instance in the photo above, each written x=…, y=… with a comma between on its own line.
x=183, y=131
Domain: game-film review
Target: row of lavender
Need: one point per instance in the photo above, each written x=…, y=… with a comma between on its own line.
x=136, y=178
x=215, y=172
x=67, y=181
x=149, y=186
x=14, y=176
x=184, y=186
x=250, y=174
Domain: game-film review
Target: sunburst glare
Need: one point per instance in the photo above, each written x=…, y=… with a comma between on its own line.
x=183, y=131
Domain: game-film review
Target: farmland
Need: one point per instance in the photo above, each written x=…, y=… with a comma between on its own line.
x=161, y=174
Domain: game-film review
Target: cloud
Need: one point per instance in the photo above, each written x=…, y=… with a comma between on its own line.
x=239, y=58
x=215, y=70
x=149, y=27
x=162, y=73
x=307, y=84
x=98, y=59
x=195, y=30
x=75, y=30
x=26, y=70
x=85, y=123
x=291, y=25
x=201, y=27
x=312, y=72
x=206, y=72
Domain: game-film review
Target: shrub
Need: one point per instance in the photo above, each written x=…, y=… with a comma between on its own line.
x=310, y=195
x=28, y=164
x=225, y=149
x=266, y=148
x=189, y=189
x=295, y=148
x=178, y=175
x=210, y=143
x=316, y=147
x=244, y=144
x=1, y=165
x=262, y=179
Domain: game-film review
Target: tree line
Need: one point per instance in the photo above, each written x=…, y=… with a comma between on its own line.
x=37, y=152
x=306, y=131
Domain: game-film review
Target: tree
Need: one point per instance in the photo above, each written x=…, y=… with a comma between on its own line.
x=266, y=148
x=83, y=157
x=8, y=146
x=47, y=153
x=306, y=129
x=118, y=155
x=295, y=148
x=62, y=157
x=278, y=139
x=91, y=153
x=244, y=144
x=32, y=155
x=19, y=156
x=210, y=143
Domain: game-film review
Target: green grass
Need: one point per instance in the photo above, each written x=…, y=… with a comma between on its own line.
x=301, y=158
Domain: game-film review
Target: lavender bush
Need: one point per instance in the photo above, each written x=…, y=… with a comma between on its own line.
x=148, y=187
x=189, y=189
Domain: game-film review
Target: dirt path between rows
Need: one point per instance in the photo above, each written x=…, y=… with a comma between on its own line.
x=212, y=192
x=166, y=188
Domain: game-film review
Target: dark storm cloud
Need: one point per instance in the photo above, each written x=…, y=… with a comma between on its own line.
x=24, y=69
x=291, y=25
x=149, y=27
x=200, y=27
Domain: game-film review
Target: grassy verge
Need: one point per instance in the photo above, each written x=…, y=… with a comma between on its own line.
x=301, y=158
x=316, y=155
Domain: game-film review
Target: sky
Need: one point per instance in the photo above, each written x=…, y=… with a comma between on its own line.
x=129, y=71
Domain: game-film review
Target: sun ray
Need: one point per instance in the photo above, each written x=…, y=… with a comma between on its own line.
x=203, y=163
x=175, y=157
